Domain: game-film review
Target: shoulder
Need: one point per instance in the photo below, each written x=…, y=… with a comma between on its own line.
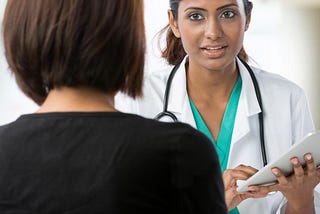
x=157, y=77
x=185, y=141
x=176, y=134
x=150, y=103
x=12, y=128
x=4, y=131
x=284, y=97
x=176, y=131
x=177, y=141
x=275, y=82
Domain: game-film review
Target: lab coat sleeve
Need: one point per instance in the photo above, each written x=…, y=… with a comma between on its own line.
x=302, y=124
x=139, y=105
x=125, y=103
x=317, y=199
x=150, y=103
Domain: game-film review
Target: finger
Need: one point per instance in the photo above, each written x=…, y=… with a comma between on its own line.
x=243, y=172
x=298, y=170
x=228, y=179
x=248, y=169
x=258, y=194
x=263, y=190
x=236, y=174
x=311, y=167
x=245, y=195
x=280, y=176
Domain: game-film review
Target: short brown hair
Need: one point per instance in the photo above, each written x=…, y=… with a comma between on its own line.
x=174, y=51
x=95, y=43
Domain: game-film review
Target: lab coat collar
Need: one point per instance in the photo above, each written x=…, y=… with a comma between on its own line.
x=248, y=104
x=178, y=99
x=248, y=92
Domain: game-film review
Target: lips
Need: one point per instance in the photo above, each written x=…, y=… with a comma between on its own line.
x=216, y=47
x=215, y=51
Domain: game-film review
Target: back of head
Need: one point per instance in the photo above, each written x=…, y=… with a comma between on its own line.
x=72, y=43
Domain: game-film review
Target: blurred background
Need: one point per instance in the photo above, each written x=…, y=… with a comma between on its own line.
x=283, y=38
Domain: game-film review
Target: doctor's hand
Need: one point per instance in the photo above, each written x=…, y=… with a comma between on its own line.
x=230, y=177
x=297, y=188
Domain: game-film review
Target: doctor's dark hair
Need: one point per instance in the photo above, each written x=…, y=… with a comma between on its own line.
x=174, y=51
x=72, y=43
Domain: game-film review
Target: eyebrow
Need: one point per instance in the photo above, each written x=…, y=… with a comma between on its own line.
x=228, y=5
x=218, y=9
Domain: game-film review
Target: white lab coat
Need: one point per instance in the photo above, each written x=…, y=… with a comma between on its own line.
x=286, y=119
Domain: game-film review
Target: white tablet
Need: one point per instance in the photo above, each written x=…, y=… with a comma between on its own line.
x=309, y=144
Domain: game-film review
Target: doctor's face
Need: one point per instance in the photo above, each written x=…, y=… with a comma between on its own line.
x=211, y=31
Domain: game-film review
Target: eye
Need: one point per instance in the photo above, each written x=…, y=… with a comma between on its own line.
x=195, y=17
x=228, y=14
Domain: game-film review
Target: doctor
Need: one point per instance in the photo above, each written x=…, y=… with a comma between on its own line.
x=212, y=89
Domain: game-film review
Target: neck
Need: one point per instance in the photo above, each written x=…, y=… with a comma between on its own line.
x=207, y=84
x=80, y=99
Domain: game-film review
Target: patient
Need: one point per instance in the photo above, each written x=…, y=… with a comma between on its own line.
x=77, y=153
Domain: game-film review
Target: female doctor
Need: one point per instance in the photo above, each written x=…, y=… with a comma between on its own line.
x=213, y=90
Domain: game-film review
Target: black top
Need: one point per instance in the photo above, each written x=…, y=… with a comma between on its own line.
x=106, y=162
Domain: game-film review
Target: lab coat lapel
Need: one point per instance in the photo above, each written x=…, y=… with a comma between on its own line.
x=248, y=103
x=178, y=98
x=247, y=107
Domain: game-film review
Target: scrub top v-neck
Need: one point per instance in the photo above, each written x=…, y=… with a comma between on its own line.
x=224, y=138
x=225, y=135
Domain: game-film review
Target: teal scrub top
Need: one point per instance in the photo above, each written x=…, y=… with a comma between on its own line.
x=224, y=139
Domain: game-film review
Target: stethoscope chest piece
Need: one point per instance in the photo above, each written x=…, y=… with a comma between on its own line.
x=166, y=116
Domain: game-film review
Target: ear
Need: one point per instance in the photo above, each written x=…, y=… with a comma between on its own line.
x=173, y=24
x=248, y=19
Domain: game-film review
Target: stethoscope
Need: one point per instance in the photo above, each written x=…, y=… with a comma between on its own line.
x=169, y=115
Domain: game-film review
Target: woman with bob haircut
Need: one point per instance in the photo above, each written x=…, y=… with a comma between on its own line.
x=77, y=153
x=213, y=89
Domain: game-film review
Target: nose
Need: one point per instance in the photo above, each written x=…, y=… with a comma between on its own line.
x=213, y=29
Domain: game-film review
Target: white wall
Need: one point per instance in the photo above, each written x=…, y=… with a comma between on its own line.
x=282, y=38
x=299, y=54
x=285, y=38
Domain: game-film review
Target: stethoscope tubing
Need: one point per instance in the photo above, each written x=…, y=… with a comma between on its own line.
x=260, y=115
x=166, y=113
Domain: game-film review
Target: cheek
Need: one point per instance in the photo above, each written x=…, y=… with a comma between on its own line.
x=190, y=37
x=235, y=33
